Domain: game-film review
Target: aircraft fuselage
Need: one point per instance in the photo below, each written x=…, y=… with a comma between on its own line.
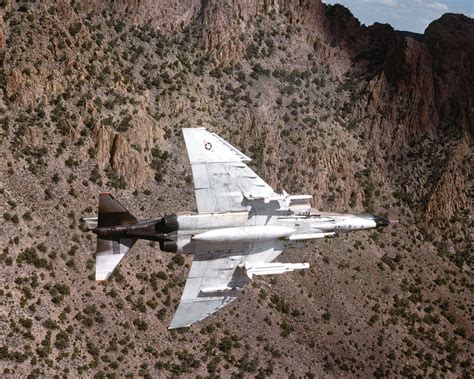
x=183, y=233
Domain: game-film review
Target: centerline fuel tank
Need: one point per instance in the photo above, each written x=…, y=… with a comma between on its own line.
x=245, y=234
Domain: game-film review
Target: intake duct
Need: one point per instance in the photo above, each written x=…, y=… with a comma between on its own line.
x=167, y=224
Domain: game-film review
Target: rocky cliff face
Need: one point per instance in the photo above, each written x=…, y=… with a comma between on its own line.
x=420, y=91
x=93, y=98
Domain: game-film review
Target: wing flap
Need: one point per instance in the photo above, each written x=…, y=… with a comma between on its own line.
x=201, y=177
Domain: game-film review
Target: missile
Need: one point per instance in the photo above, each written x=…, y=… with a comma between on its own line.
x=273, y=268
x=310, y=236
x=245, y=234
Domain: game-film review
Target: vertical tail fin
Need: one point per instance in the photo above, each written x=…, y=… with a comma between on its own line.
x=111, y=212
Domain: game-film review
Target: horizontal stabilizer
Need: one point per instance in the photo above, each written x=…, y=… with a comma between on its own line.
x=109, y=254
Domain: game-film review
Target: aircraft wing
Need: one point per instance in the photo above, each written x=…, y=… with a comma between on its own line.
x=221, y=178
x=216, y=279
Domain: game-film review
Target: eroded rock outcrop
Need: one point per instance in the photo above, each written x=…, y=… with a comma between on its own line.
x=114, y=149
x=129, y=164
x=450, y=197
x=145, y=133
x=103, y=139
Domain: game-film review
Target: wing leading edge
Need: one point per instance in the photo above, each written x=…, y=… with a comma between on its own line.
x=221, y=178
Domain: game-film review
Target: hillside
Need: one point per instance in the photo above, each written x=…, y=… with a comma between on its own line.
x=93, y=98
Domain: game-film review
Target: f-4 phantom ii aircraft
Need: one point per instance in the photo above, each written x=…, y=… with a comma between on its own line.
x=240, y=227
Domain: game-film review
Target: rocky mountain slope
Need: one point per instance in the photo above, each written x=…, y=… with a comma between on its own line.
x=93, y=98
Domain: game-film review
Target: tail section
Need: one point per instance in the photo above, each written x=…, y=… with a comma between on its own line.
x=112, y=213
x=110, y=252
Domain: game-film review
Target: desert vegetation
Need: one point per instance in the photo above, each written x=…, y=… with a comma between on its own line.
x=94, y=99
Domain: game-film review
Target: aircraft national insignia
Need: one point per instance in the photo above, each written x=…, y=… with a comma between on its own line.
x=208, y=146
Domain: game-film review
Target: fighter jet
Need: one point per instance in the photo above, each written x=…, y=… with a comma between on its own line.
x=241, y=226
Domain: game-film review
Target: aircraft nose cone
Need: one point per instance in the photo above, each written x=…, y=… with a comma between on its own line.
x=380, y=221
